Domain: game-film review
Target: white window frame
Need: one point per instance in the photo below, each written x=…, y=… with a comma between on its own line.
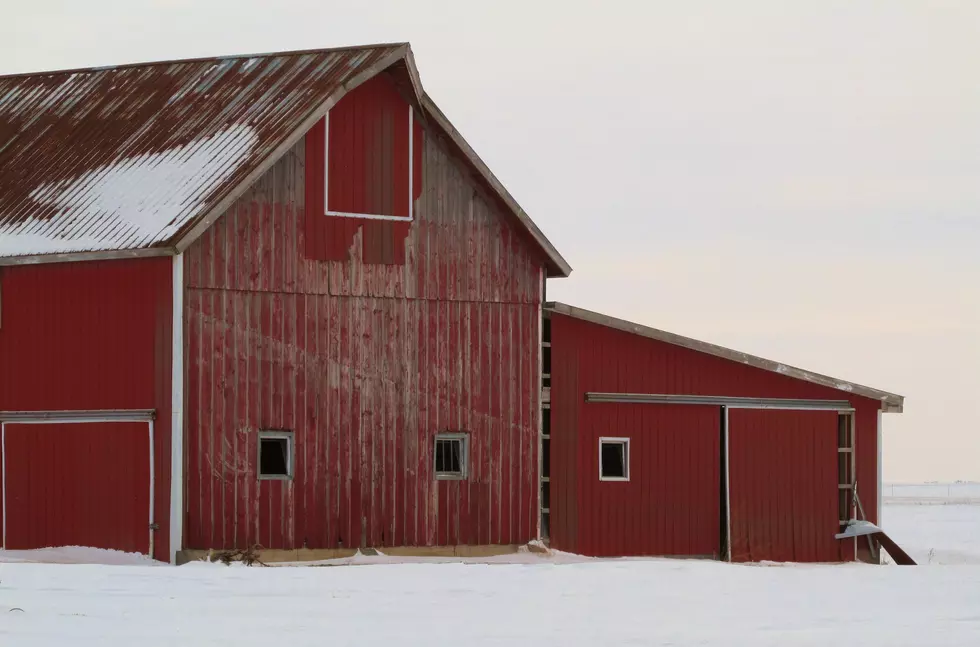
x=464, y=456
x=369, y=216
x=618, y=440
x=290, y=438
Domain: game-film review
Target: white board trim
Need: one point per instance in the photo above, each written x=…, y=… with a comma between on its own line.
x=177, y=413
x=881, y=484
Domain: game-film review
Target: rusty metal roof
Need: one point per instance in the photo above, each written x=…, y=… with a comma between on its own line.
x=891, y=402
x=125, y=158
x=142, y=158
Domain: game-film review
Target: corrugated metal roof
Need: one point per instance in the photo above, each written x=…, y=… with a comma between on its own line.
x=133, y=157
x=125, y=158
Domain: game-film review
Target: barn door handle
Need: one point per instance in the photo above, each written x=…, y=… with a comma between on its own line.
x=154, y=526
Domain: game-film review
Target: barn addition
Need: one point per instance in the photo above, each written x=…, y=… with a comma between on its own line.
x=664, y=445
x=278, y=300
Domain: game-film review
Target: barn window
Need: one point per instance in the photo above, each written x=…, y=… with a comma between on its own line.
x=614, y=459
x=450, y=456
x=369, y=158
x=275, y=454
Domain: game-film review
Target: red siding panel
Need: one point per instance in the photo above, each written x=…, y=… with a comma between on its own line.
x=671, y=504
x=92, y=335
x=78, y=485
x=783, y=480
x=368, y=156
x=587, y=516
x=866, y=459
x=365, y=362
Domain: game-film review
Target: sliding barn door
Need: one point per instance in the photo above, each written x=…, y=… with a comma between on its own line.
x=77, y=485
x=783, y=485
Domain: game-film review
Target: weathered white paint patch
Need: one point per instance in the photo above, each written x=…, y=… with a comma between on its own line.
x=137, y=201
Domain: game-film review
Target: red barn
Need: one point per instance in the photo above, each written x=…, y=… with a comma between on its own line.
x=279, y=300
x=664, y=445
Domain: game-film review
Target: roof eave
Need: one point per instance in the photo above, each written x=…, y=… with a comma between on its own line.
x=98, y=255
x=893, y=404
x=890, y=402
x=558, y=267
x=555, y=264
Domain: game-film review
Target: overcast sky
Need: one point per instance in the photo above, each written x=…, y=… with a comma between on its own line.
x=798, y=180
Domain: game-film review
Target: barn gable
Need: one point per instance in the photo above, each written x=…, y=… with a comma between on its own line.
x=362, y=336
x=87, y=169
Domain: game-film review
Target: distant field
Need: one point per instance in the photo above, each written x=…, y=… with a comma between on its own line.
x=937, y=493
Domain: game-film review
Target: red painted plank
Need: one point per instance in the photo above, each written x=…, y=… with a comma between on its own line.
x=335, y=402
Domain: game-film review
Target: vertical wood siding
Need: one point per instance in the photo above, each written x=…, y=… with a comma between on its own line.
x=368, y=157
x=586, y=514
x=365, y=363
x=92, y=335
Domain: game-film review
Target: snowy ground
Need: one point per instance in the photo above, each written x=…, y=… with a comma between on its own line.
x=936, y=534
x=568, y=601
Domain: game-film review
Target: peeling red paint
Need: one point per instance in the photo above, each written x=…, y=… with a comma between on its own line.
x=365, y=363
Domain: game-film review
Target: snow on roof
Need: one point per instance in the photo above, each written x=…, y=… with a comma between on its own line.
x=135, y=202
x=130, y=157
x=144, y=156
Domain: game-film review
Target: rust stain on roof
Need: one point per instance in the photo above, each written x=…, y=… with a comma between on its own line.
x=129, y=157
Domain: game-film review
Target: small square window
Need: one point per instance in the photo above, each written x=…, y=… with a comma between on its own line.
x=275, y=454
x=614, y=459
x=450, y=456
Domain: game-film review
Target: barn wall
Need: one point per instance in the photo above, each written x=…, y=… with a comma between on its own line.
x=671, y=503
x=92, y=335
x=365, y=362
x=589, y=357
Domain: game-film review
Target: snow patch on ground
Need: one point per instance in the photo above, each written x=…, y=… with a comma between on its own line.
x=599, y=602
x=936, y=534
x=535, y=599
x=76, y=555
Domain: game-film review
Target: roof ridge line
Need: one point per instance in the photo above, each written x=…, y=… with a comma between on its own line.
x=201, y=59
